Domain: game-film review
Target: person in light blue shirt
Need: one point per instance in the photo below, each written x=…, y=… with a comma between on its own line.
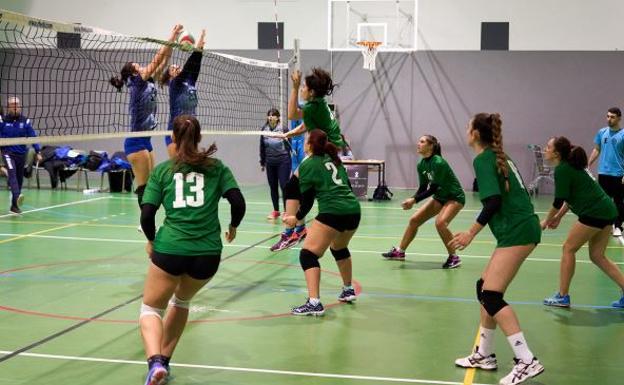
x=609, y=151
x=182, y=90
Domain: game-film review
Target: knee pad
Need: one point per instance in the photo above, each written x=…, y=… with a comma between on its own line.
x=308, y=259
x=480, y=289
x=148, y=311
x=291, y=190
x=177, y=302
x=341, y=254
x=139, y=192
x=492, y=301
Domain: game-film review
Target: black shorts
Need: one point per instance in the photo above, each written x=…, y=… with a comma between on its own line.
x=197, y=267
x=596, y=222
x=340, y=222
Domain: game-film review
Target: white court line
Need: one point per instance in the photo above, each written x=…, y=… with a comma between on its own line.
x=56, y=206
x=115, y=240
x=363, y=206
x=247, y=370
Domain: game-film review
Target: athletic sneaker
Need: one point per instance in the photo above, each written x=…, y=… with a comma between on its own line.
x=15, y=210
x=273, y=215
x=20, y=199
x=452, y=262
x=522, y=372
x=300, y=235
x=157, y=375
x=309, y=309
x=617, y=232
x=284, y=242
x=558, y=300
x=347, y=295
x=394, y=254
x=618, y=304
x=477, y=360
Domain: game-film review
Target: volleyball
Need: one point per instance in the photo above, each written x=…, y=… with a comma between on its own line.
x=186, y=38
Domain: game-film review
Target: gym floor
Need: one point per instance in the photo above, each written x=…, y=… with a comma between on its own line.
x=71, y=276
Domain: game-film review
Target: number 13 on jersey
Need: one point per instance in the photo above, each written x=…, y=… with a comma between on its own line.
x=195, y=182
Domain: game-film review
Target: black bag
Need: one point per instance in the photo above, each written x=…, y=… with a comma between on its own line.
x=116, y=179
x=382, y=193
x=94, y=159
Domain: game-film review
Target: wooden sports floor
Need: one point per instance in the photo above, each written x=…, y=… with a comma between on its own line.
x=71, y=276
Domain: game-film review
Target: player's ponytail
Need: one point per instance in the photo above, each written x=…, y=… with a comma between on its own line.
x=319, y=145
x=490, y=128
x=118, y=81
x=436, y=149
x=186, y=136
x=574, y=155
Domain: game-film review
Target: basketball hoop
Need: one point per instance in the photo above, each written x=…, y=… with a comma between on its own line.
x=369, y=52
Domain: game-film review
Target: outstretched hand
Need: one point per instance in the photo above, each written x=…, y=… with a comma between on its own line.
x=461, y=240
x=296, y=78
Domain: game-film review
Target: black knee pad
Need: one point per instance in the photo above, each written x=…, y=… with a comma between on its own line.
x=492, y=301
x=291, y=190
x=341, y=254
x=139, y=192
x=308, y=259
x=480, y=289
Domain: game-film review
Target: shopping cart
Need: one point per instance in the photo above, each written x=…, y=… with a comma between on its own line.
x=541, y=170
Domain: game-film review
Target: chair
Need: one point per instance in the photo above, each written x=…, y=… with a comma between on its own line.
x=541, y=170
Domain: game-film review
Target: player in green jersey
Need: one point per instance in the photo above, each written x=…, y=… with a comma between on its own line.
x=185, y=253
x=576, y=189
x=437, y=179
x=322, y=176
x=316, y=115
x=508, y=211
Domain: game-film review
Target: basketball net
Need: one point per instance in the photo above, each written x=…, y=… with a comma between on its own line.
x=369, y=52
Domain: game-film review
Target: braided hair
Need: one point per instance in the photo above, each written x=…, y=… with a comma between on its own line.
x=489, y=127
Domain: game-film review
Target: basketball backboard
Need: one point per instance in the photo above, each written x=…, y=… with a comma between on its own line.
x=392, y=22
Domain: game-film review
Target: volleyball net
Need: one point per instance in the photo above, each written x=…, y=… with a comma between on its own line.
x=61, y=74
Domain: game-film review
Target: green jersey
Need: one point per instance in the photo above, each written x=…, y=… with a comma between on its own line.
x=515, y=223
x=190, y=197
x=584, y=196
x=331, y=184
x=316, y=114
x=435, y=170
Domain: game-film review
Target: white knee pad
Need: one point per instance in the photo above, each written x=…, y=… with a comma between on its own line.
x=148, y=310
x=177, y=302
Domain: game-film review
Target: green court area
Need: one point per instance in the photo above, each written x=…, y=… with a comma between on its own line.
x=72, y=269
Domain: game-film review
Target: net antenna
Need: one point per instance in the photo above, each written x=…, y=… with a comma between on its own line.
x=296, y=58
x=370, y=49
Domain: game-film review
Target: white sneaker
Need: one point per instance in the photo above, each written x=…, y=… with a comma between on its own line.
x=20, y=199
x=477, y=360
x=617, y=232
x=522, y=372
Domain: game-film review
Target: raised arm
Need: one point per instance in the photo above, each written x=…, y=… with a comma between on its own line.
x=294, y=112
x=162, y=55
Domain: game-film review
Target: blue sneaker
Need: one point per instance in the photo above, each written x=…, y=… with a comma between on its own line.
x=558, y=300
x=157, y=375
x=309, y=309
x=618, y=304
x=347, y=295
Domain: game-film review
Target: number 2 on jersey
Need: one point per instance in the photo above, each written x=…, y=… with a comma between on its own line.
x=195, y=182
x=332, y=167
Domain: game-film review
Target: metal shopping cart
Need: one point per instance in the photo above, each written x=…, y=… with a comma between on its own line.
x=541, y=170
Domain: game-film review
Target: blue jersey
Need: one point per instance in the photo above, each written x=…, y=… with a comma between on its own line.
x=142, y=104
x=611, y=145
x=182, y=90
x=297, y=152
x=17, y=127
